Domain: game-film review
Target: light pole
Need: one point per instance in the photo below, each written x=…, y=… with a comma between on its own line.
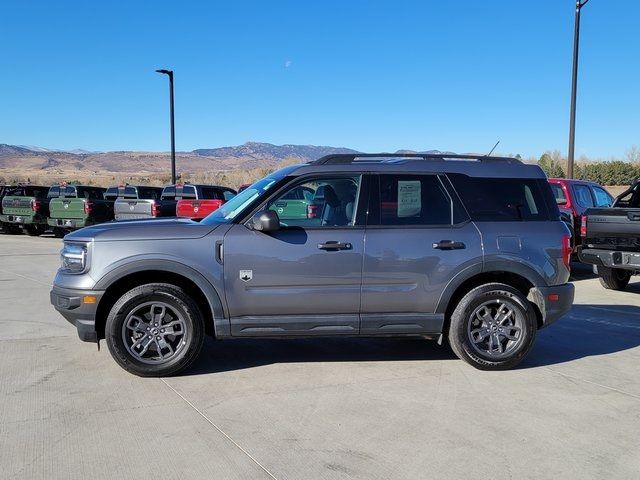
x=574, y=87
x=173, y=135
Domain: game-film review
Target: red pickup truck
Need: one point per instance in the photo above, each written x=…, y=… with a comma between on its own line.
x=574, y=197
x=198, y=201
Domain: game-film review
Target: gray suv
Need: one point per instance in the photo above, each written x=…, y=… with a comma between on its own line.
x=468, y=249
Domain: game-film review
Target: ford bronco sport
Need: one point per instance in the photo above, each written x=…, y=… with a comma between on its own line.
x=457, y=247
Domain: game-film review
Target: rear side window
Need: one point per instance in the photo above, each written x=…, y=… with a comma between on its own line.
x=504, y=199
x=414, y=200
x=128, y=192
x=169, y=193
x=189, y=192
x=558, y=193
x=583, y=195
x=603, y=199
x=111, y=193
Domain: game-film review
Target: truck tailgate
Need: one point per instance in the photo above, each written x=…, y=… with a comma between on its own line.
x=17, y=206
x=131, y=209
x=197, y=209
x=67, y=208
x=613, y=228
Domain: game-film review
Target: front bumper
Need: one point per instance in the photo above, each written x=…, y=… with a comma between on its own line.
x=553, y=302
x=66, y=222
x=610, y=258
x=70, y=304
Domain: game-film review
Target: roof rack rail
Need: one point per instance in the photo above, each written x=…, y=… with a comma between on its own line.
x=345, y=158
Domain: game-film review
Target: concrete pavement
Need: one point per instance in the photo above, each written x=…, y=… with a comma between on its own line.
x=321, y=408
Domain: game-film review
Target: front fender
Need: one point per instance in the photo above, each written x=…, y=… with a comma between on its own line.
x=142, y=263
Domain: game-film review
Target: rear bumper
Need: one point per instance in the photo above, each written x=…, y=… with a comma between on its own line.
x=18, y=219
x=610, y=258
x=66, y=222
x=553, y=302
x=69, y=302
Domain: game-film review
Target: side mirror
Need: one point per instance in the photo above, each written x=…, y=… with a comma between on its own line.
x=265, y=221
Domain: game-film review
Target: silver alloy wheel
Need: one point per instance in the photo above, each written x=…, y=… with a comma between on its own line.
x=154, y=332
x=495, y=329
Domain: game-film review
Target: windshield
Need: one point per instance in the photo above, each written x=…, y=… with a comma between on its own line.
x=230, y=210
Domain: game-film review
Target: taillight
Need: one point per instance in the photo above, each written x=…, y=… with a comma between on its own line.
x=35, y=205
x=566, y=251
x=155, y=209
x=88, y=207
x=312, y=211
x=583, y=226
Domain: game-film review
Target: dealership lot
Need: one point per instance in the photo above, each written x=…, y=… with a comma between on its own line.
x=320, y=408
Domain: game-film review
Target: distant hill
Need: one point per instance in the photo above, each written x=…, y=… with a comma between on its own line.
x=247, y=156
x=242, y=157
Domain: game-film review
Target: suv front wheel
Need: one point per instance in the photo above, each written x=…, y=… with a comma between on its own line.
x=493, y=327
x=155, y=330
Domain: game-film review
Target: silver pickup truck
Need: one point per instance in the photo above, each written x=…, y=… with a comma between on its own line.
x=138, y=202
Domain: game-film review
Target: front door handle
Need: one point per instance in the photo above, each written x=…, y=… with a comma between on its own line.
x=333, y=246
x=449, y=245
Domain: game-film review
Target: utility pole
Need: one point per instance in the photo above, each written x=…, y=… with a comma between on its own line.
x=173, y=135
x=574, y=88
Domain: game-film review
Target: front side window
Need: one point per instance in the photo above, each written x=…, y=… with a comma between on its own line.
x=318, y=202
x=583, y=195
x=603, y=199
x=235, y=206
x=414, y=200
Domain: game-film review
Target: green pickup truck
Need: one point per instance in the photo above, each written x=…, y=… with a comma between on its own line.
x=25, y=208
x=78, y=206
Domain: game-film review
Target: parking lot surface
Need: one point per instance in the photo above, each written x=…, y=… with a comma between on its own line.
x=320, y=408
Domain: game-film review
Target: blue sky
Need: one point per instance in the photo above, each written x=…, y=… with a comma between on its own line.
x=370, y=75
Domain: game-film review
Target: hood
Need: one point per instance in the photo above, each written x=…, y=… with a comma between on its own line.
x=161, y=229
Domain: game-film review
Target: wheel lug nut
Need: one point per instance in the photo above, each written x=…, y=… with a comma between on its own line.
x=158, y=338
x=162, y=330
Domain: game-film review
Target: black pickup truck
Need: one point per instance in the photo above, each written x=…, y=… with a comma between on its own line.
x=611, y=239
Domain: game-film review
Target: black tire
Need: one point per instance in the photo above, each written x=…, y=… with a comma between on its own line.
x=33, y=230
x=509, y=351
x=614, y=278
x=59, y=232
x=181, y=308
x=11, y=229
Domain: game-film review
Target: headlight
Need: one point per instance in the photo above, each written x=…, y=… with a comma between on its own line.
x=74, y=257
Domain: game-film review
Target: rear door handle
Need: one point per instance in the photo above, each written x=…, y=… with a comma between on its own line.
x=633, y=216
x=333, y=246
x=449, y=245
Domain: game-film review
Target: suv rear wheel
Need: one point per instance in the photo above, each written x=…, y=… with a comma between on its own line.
x=614, y=278
x=493, y=327
x=155, y=330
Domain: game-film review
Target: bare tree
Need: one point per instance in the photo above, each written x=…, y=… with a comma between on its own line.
x=633, y=154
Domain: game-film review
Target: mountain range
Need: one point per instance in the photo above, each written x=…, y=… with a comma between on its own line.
x=247, y=156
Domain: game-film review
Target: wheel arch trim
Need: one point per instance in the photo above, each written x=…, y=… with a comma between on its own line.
x=213, y=298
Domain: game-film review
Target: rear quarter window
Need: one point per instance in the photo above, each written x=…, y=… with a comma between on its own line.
x=505, y=199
